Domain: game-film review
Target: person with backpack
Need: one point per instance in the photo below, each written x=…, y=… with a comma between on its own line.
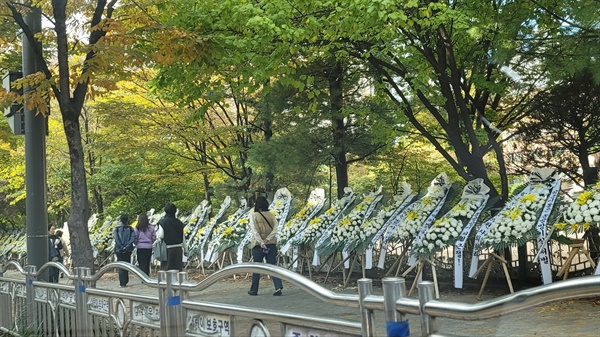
x=263, y=225
x=124, y=238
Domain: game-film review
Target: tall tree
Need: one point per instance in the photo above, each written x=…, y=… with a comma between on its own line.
x=70, y=88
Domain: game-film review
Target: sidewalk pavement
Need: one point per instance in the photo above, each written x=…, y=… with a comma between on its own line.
x=569, y=318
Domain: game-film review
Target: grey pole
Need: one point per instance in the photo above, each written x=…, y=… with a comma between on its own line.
x=173, y=304
x=35, y=156
x=426, y=294
x=161, y=277
x=82, y=318
x=393, y=289
x=365, y=288
x=30, y=295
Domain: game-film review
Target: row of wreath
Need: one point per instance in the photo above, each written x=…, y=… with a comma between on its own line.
x=354, y=225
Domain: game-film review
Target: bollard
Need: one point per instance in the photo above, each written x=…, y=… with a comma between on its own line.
x=365, y=288
x=173, y=304
x=396, y=323
x=426, y=294
x=82, y=319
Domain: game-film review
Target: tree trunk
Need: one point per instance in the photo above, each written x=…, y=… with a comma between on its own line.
x=79, y=236
x=98, y=200
x=336, y=100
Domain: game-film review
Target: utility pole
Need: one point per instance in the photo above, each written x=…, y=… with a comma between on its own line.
x=35, y=155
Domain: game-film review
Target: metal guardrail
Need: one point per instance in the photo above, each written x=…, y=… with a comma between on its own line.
x=81, y=309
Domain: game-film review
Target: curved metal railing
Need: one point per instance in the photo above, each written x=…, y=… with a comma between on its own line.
x=394, y=302
x=287, y=275
x=580, y=287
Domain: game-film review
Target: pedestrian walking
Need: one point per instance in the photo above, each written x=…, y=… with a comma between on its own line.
x=124, y=238
x=263, y=225
x=54, y=248
x=145, y=235
x=172, y=231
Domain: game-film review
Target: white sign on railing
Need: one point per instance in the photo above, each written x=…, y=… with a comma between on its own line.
x=208, y=324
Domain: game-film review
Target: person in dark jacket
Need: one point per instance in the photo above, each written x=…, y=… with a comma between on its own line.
x=173, y=236
x=54, y=248
x=124, y=238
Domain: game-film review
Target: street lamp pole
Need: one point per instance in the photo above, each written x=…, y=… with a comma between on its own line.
x=35, y=155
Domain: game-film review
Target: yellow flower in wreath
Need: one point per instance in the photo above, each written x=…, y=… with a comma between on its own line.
x=228, y=232
x=560, y=225
x=412, y=215
x=584, y=197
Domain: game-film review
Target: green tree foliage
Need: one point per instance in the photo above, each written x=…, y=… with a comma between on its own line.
x=12, y=169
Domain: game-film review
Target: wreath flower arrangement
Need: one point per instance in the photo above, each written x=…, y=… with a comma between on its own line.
x=371, y=227
x=409, y=226
x=583, y=213
x=194, y=247
x=447, y=229
x=290, y=228
x=14, y=243
x=196, y=221
x=516, y=224
x=219, y=237
x=230, y=235
x=349, y=227
x=317, y=226
x=101, y=237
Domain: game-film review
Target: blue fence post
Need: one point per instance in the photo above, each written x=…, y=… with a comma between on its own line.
x=82, y=319
x=173, y=301
x=365, y=288
x=393, y=289
x=426, y=294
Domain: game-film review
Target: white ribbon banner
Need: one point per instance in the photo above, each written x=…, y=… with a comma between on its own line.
x=541, y=228
x=459, y=246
